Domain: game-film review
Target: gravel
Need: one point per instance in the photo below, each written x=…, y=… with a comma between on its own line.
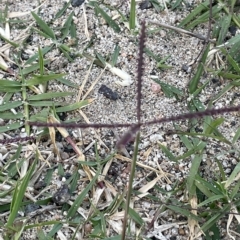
x=118, y=104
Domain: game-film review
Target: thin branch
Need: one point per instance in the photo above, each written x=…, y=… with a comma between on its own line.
x=140, y=69
x=180, y=30
x=186, y=116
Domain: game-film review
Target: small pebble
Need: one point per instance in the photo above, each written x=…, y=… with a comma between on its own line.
x=64, y=155
x=31, y=208
x=62, y=195
x=77, y=3
x=155, y=138
x=39, y=185
x=156, y=88
x=108, y=93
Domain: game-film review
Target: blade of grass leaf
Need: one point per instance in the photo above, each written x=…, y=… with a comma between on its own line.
x=203, y=135
x=35, y=56
x=211, y=199
x=54, y=229
x=78, y=201
x=115, y=55
x=168, y=153
x=34, y=67
x=196, y=161
x=10, y=127
x=215, y=218
x=184, y=212
x=199, y=147
x=62, y=10
x=49, y=95
x=44, y=103
x=10, y=105
x=169, y=90
x=38, y=79
x=107, y=18
x=236, y=136
x=184, y=139
x=132, y=18
x=66, y=27
x=67, y=82
x=9, y=83
x=231, y=61
x=225, y=24
x=195, y=80
x=8, y=41
x=206, y=187
x=74, y=106
x=10, y=115
x=19, y=194
x=200, y=8
x=204, y=17
x=43, y=25
x=231, y=178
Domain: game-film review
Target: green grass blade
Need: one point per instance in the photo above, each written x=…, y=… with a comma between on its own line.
x=33, y=67
x=8, y=86
x=233, y=175
x=204, y=17
x=9, y=83
x=78, y=201
x=200, y=8
x=221, y=93
x=215, y=218
x=49, y=95
x=43, y=25
x=44, y=103
x=211, y=199
x=231, y=61
x=8, y=41
x=203, y=135
x=227, y=75
x=213, y=125
x=62, y=10
x=54, y=230
x=168, y=153
x=235, y=191
x=192, y=173
x=135, y=216
x=224, y=26
x=38, y=79
x=65, y=50
x=10, y=115
x=35, y=56
x=195, y=80
x=169, y=90
x=206, y=187
x=184, y=212
x=115, y=55
x=19, y=194
x=236, y=136
x=107, y=18
x=184, y=138
x=10, y=105
x=67, y=25
x=73, y=106
x=199, y=147
x=10, y=127
x=40, y=61
x=132, y=19
x=67, y=82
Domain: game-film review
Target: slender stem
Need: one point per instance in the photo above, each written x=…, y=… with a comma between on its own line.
x=130, y=185
x=196, y=35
